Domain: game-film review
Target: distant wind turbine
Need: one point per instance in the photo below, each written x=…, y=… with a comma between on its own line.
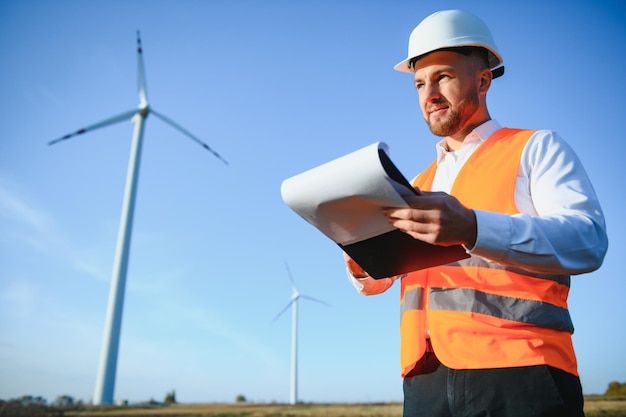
x=295, y=295
x=105, y=382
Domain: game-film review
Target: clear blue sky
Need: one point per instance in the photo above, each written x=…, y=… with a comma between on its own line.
x=276, y=87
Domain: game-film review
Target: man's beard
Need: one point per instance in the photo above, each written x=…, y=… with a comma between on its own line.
x=457, y=117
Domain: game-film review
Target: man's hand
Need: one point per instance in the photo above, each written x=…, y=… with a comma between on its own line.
x=363, y=282
x=436, y=218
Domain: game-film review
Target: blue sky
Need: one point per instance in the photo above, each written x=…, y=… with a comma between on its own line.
x=276, y=87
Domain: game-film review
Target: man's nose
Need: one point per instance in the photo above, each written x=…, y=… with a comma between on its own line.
x=430, y=92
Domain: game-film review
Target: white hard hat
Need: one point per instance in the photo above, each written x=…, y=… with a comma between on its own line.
x=451, y=29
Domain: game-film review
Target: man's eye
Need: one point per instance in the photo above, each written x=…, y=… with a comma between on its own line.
x=419, y=85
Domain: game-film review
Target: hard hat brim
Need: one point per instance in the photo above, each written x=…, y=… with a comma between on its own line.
x=495, y=59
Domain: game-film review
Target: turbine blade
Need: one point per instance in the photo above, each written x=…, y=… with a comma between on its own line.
x=186, y=132
x=315, y=299
x=282, y=311
x=293, y=283
x=107, y=122
x=141, y=75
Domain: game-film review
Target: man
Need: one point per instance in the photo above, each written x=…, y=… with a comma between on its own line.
x=489, y=335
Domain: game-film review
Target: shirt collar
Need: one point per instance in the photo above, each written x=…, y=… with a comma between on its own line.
x=479, y=134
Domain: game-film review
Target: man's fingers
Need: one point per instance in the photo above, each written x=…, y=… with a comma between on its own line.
x=411, y=215
x=399, y=213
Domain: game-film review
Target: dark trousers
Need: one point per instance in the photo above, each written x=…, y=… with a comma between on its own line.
x=508, y=392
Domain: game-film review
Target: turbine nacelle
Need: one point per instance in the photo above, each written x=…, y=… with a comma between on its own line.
x=144, y=110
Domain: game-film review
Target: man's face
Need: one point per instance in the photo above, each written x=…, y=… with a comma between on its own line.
x=447, y=85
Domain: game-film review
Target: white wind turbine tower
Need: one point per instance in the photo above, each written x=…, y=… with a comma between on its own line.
x=105, y=382
x=295, y=295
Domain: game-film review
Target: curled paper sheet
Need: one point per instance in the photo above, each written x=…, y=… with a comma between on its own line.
x=344, y=199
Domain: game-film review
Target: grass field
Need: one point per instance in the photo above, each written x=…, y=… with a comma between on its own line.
x=595, y=406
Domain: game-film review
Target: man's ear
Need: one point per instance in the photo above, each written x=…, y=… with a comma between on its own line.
x=484, y=81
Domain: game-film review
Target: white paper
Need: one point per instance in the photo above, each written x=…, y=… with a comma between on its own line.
x=344, y=198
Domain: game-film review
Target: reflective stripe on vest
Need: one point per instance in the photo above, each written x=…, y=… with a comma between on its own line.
x=412, y=300
x=533, y=312
x=481, y=314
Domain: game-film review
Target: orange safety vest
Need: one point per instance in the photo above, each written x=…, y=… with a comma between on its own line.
x=481, y=314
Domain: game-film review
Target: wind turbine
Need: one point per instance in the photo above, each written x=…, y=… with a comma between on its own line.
x=295, y=295
x=105, y=382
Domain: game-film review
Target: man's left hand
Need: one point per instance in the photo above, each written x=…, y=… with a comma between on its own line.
x=436, y=218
